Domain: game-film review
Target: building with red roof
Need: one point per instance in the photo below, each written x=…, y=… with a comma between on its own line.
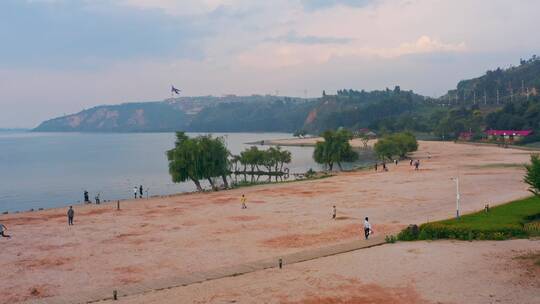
x=512, y=135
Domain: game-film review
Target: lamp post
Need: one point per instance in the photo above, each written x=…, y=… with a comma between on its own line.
x=456, y=179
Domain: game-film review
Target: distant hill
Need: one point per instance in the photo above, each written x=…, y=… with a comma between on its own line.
x=360, y=109
x=499, y=86
x=472, y=106
x=206, y=113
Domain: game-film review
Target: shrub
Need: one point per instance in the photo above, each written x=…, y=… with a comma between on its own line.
x=390, y=239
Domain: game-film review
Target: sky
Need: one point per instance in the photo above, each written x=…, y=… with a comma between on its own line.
x=61, y=56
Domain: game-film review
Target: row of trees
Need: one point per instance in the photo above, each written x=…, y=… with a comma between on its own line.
x=207, y=158
x=272, y=159
x=398, y=144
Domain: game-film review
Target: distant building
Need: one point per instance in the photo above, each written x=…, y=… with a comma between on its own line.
x=509, y=135
x=367, y=132
x=466, y=136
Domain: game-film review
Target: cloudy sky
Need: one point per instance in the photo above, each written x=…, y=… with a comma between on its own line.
x=61, y=56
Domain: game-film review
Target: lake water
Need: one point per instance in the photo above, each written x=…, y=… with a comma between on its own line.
x=44, y=170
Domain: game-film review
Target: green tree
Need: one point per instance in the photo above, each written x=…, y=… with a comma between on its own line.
x=532, y=176
x=203, y=157
x=386, y=148
x=334, y=149
x=215, y=159
x=398, y=144
x=184, y=161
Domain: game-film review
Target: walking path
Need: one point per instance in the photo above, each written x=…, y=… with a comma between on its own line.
x=219, y=273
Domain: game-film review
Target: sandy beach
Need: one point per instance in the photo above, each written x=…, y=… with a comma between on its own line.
x=160, y=237
x=404, y=273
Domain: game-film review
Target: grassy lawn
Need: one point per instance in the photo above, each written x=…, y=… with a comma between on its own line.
x=517, y=219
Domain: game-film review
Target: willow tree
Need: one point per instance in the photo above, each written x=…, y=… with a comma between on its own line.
x=185, y=162
x=202, y=157
x=215, y=159
x=334, y=149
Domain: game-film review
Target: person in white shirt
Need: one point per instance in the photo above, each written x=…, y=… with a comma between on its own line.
x=367, y=228
x=135, y=191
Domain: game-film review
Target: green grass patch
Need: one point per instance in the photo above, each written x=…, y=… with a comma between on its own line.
x=517, y=219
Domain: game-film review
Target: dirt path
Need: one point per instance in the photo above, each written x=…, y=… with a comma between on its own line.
x=161, y=237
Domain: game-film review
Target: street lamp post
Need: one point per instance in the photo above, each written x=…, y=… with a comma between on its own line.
x=456, y=179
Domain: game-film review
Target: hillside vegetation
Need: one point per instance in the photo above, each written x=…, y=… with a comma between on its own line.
x=500, y=99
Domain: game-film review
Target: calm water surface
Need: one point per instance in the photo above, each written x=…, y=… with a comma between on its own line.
x=44, y=170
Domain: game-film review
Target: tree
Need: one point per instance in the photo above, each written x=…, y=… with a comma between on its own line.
x=215, y=159
x=532, y=176
x=398, y=144
x=184, y=161
x=334, y=149
x=203, y=157
x=386, y=148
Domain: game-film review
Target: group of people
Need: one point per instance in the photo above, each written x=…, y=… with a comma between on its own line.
x=367, y=226
x=87, y=198
x=139, y=191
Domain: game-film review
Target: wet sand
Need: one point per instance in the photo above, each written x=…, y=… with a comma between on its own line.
x=162, y=237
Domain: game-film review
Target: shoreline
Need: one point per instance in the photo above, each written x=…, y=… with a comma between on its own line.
x=160, y=237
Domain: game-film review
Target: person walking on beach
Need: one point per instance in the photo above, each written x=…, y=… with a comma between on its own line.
x=98, y=201
x=367, y=228
x=70, y=214
x=411, y=162
x=376, y=167
x=395, y=161
x=243, y=201
x=384, y=166
x=334, y=213
x=140, y=191
x=416, y=164
x=3, y=231
x=135, y=191
x=86, y=197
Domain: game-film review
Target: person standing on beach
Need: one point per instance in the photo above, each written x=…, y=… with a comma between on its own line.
x=376, y=167
x=243, y=200
x=410, y=163
x=384, y=166
x=3, y=231
x=395, y=161
x=135, y=191
x=367, y=228
x=98, y=201
x=334, y=213
x=70, y=214
x=86, y=197
x=140, y=191
x=416, y=164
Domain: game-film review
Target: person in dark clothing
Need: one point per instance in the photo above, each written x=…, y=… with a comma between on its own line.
x=86, y=198
x=384, y=166
x=140, y=191
x=70, y=214
x=376, y=165
x=416, y=165
x=3, y=231
x=411, y=162
x=334, y=213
